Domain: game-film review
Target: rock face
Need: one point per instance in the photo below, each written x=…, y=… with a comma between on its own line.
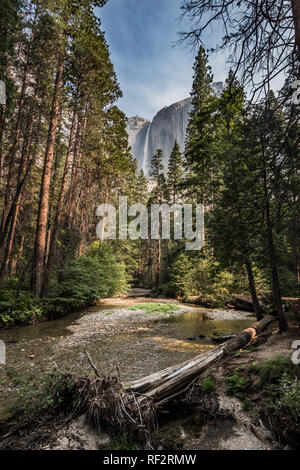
x=168, y=125
x=137, y=129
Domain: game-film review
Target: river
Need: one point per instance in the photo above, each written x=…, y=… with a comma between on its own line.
x=121, y=342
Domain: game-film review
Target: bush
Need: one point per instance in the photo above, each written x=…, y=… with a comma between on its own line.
x=208, y=385
x=25, y=308
x=201, y=275
x=91, y=277
x=180, y=277
x=271, y=372
x=96, y=275
x=237, y=385
x=289, y=399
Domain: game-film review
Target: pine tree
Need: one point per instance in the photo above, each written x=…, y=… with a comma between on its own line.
x=157, y=197
x=200, y=130
x=231, y=220
x=175, y=173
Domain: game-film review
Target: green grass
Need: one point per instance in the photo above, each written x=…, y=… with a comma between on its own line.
x=123, y=444
x=208, y=385
x=155, y=308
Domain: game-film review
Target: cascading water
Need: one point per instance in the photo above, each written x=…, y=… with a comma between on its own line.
x=146, y=149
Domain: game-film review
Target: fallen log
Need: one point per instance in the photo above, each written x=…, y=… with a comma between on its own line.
x=126, y=409
x=222, y=338
x=244, y=303
x=165, y=384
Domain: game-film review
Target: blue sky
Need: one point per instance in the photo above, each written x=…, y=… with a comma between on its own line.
x=152, y=73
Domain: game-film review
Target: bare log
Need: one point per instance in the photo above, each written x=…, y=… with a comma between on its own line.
x=165, y=384
x=245, y=303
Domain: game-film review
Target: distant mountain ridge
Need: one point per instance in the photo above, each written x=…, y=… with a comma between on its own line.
x=168, y=125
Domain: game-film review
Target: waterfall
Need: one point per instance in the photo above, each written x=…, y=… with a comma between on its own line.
x=146, y=149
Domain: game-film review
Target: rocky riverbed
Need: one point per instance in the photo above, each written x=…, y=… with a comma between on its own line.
x=121, y=338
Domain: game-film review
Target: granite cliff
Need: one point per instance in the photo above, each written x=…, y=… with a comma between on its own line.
x=168, y=125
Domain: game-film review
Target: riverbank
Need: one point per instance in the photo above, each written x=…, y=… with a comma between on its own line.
x=121, y=341
x=213, y=417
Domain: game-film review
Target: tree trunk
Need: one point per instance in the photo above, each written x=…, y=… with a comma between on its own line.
x=276, y=286
x=165, y=384
x=296, y=14
x=14, y=147
x=9, y=218
x=17, y=131
x=22, y=171
x=158, y=266
x=40, y=241
x=2, y=127
x=17, y=257
x=58, y=214
x=273, y=261
x=255, y=301
x=80, y=132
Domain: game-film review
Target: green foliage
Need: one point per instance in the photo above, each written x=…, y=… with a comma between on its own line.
x=113, y=271
x=208, y=385
x=180, y=276
x=272, y=371
x=55, y=390
x=246, y=404
x=280, y=385
x=15, y=310
x=123, y=444
x=175, y=173
x=156, y=308
x=81, y=285
x=237, y=385
x=201, y=275
x=94, y=276
x=289, y=396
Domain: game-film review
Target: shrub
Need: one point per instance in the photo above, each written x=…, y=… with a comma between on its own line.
x=94, y=276
x=202, y=276
x=272, y=370
x=289, y=399
x=180, y=277
x=17, y=310
x=208, y=385
x=237, y=385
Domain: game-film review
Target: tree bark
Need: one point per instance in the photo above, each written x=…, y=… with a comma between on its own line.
x=256, y=305
x=22, y=171
x=2, y=127
x=40, y=240
x=9, y=218
x=273, y=261
x=158, y=265
x=80, y=133
x=58, y=214
x=296, y=15
x=14, y=147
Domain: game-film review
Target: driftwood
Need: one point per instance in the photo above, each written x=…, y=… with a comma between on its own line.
x=127, y=409
x=244, y=303
x=162, y=386
x=221, y=338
